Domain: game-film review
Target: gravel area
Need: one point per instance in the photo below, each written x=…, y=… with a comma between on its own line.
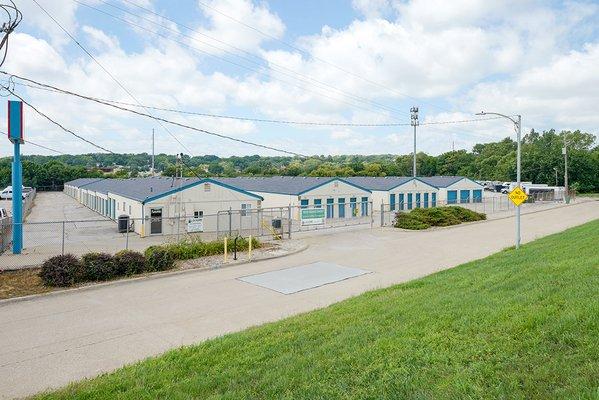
x=268, y=250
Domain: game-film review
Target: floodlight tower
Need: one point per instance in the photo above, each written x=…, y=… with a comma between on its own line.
x=414, y=122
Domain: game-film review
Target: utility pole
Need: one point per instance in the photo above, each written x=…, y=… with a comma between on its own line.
x=518, y=170
x=152, y=169
x=565, y=153
x=414, y=123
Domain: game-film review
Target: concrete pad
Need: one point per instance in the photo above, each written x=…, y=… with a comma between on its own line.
x=303, y=277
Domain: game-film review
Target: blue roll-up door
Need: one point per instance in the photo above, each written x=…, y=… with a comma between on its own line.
x=330, y=208
x=464, y=196
x=433, y=199
x=426, y=200
x=409, y=201
x=418, y=200
x=364, y=206
x=452, y=196
x=477, y=196
x=401, y=201
x=341, y=207
x=392, y=201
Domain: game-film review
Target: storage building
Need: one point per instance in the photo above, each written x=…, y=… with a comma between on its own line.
x=342, y=198
x=456, y=189
x=157, y=205
x=398, y=192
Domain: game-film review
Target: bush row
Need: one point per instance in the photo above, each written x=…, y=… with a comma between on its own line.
x=424, y=218
x=67, y=270
x=189, y=249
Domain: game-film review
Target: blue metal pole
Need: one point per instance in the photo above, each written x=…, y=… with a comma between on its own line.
x=17, y=200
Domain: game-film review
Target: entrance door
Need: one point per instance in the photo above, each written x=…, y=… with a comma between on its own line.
x=155, y=221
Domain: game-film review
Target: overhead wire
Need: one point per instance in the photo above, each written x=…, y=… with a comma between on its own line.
x=9, y=26
x=54, y=122
x=41, y=146
x=267, y=64
x=265, y=120
x=327, y=87
x=147, y=10
x=105, y=70
x=306, y=53
x=156, y=118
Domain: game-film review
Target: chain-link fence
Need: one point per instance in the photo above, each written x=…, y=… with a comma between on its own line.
x=42, y=240
x=493, y=206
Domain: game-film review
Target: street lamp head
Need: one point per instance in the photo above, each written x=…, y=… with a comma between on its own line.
x=480, y=113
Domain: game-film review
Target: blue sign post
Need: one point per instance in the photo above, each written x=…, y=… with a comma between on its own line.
x=15, y=135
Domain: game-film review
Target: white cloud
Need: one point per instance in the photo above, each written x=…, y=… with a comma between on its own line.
x=223, y=16
x=62, y=10
x=562, y=91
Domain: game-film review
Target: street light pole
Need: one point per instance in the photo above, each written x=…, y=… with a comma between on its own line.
x=518, y=127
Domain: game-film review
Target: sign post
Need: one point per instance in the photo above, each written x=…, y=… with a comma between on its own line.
x=15, y=135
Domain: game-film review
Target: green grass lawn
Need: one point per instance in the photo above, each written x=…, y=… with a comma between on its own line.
x=519, y=324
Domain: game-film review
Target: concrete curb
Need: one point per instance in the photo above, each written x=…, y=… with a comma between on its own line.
x=153, y=275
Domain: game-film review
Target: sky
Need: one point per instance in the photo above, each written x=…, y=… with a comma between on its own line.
x=334, y=61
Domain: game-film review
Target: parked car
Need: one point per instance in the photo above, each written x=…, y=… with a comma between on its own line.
x=6, y=194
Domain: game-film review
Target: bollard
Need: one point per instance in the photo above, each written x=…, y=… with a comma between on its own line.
x=62, y=238
x=250, y=249
x=225, y=249
x=235, y=247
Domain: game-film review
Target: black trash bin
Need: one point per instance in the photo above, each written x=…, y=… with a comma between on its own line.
x=123, y=223
x=276, y=223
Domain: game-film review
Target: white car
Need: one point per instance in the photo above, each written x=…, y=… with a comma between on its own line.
x=6, y=194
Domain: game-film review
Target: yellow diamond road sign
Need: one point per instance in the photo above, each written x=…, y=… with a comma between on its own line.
x=517, y=196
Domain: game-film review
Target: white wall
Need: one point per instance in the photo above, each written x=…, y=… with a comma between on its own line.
x=196, y=198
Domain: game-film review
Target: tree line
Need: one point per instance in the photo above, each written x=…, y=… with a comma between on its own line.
x=542, y=162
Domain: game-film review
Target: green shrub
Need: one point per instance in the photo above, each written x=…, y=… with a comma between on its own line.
x=98, y=267
x=159, y=258
x=129, y=262
x=423, y=218
x=64, y=270
x=193, y=248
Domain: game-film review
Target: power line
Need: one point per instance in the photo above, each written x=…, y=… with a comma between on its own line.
x=37, y=145
x=44, y=147
x=104, y=69
x=53, y=121
x=268, y=64
x=380, y=85
x=274, y=121
x=159, y=119
x=9, y=26
x=327, y=87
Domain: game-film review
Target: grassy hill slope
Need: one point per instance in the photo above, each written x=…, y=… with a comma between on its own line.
x=518, y=324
